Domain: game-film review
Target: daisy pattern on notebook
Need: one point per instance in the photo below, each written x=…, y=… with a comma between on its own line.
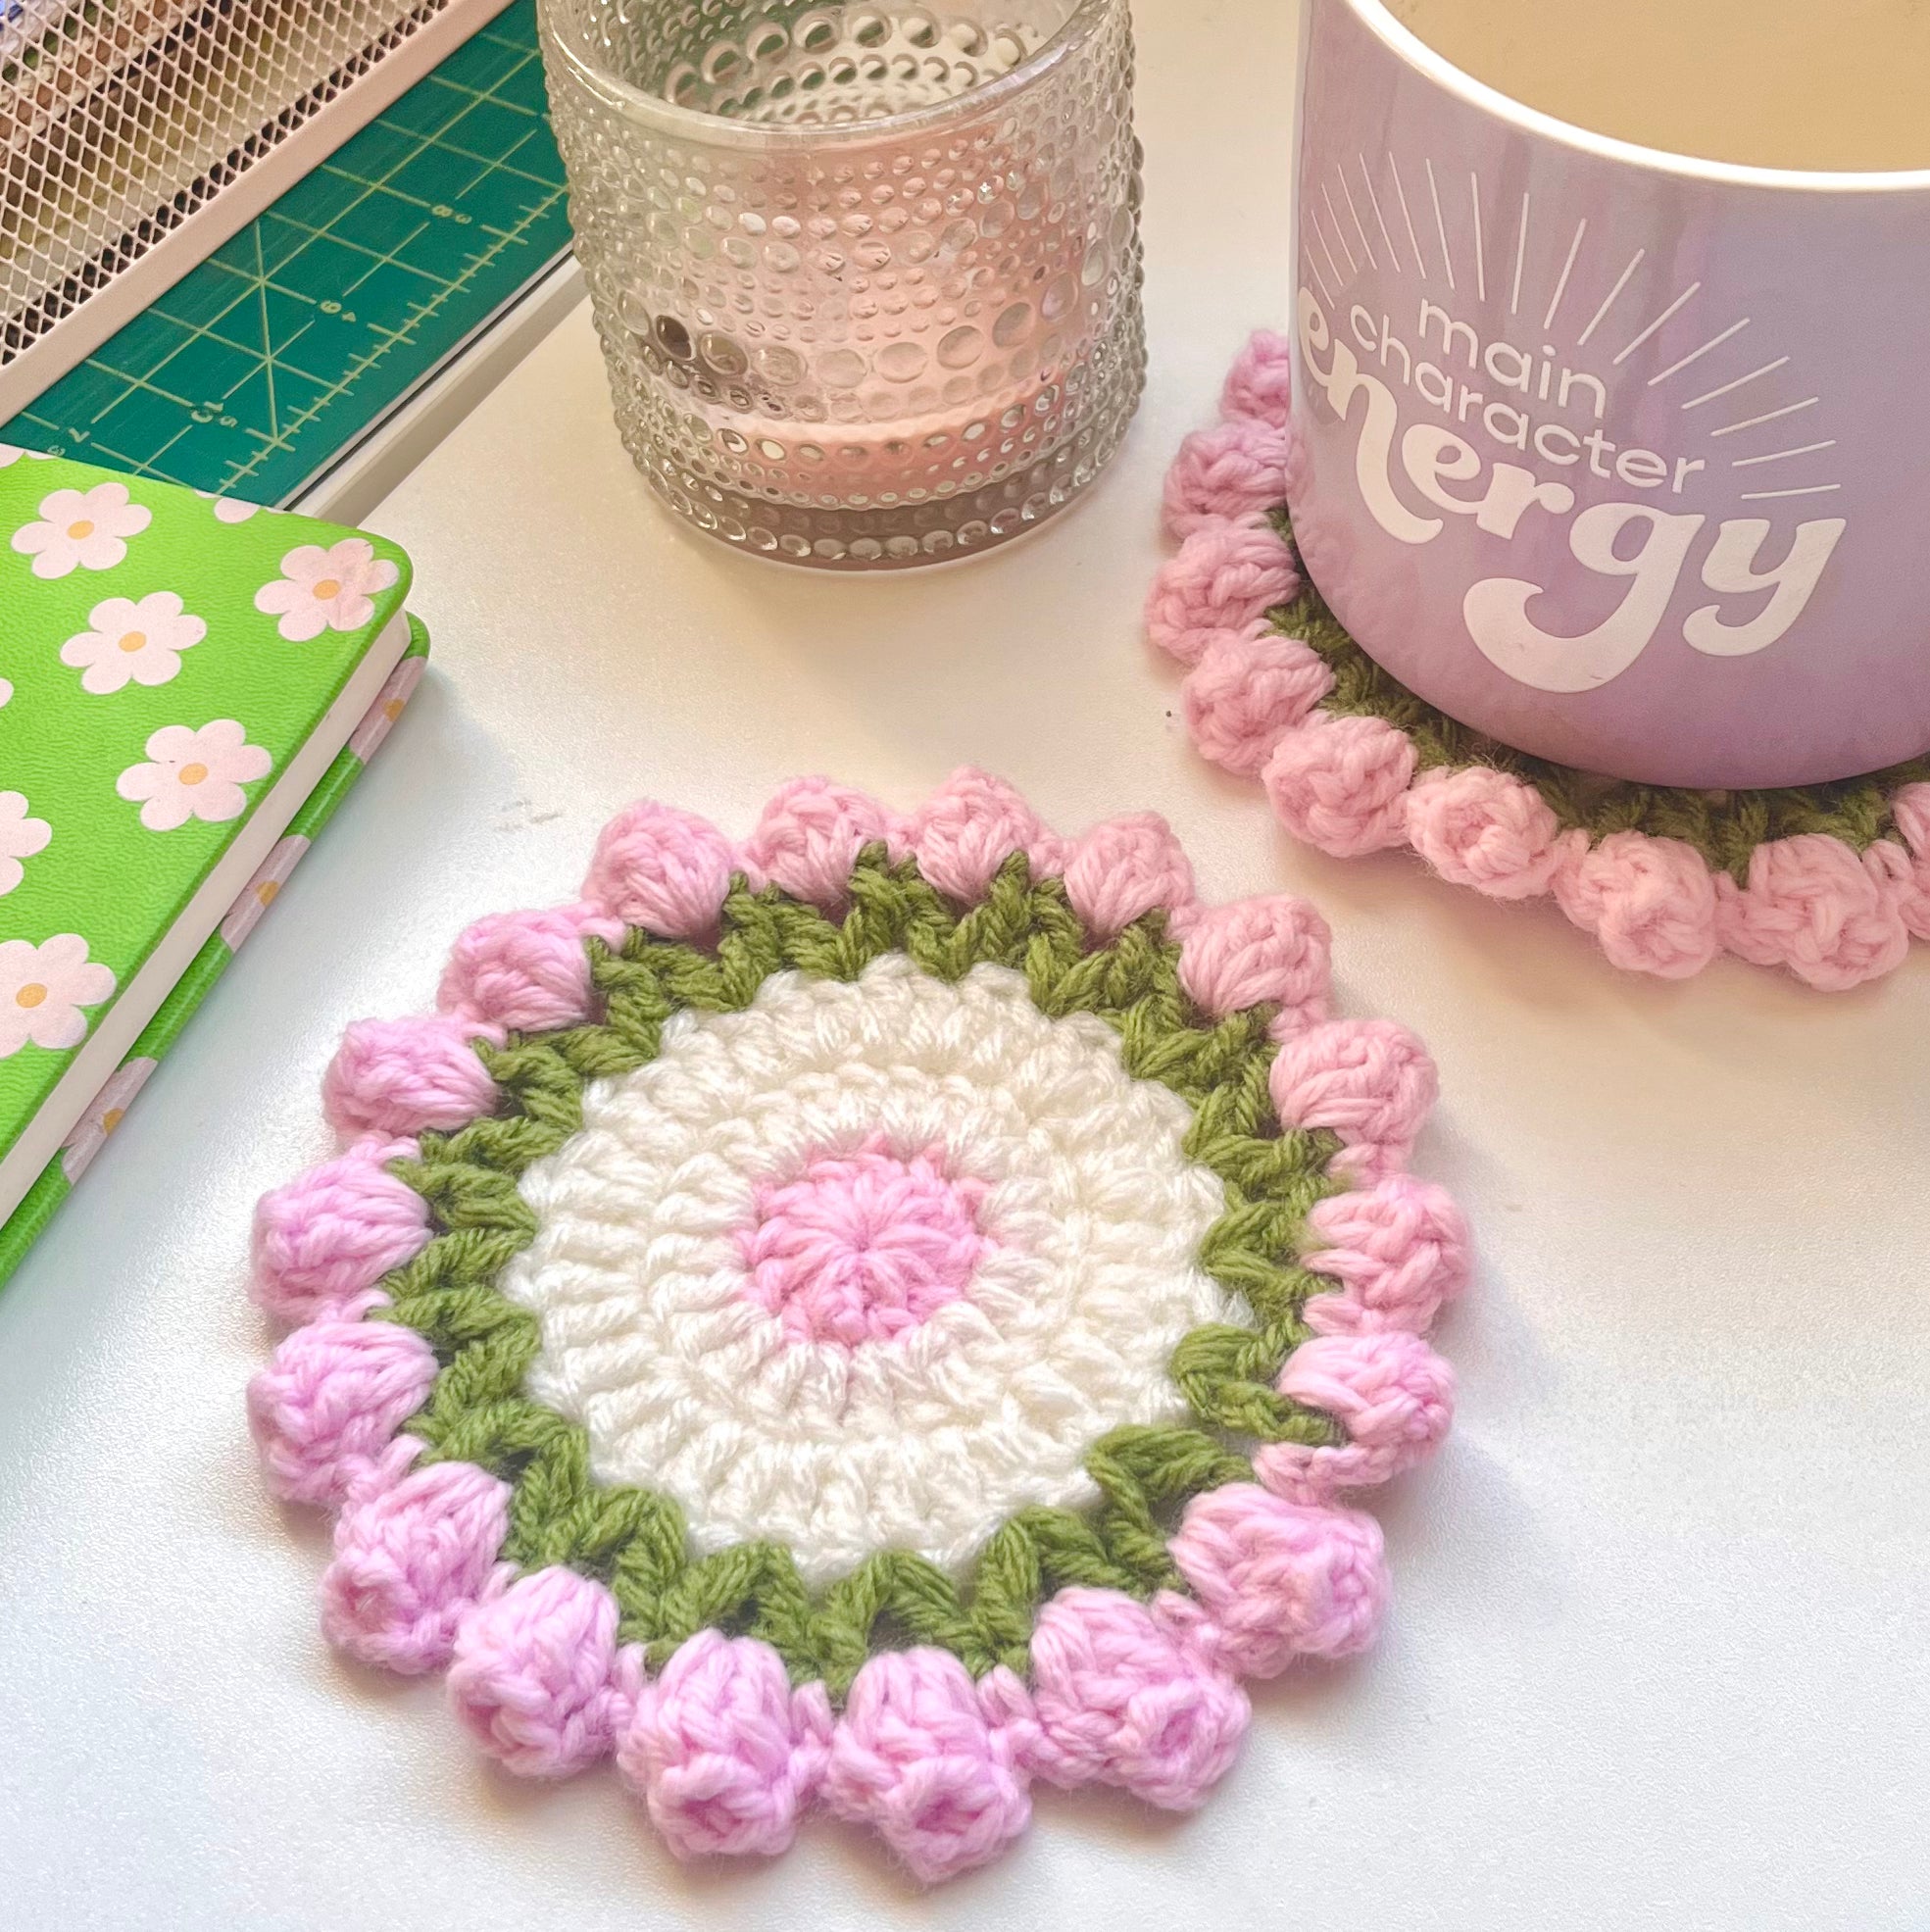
x=194, y=774
x=133, y=640
x=330, y=590
x=82, y=529
x=43, y=989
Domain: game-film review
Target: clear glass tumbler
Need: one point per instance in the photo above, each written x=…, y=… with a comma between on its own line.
x=867, y=277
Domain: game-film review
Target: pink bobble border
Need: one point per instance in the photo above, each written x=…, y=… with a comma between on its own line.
x=1811, y=904
x=725, y=1754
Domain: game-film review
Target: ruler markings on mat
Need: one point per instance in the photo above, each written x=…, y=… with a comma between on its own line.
x=258, y=364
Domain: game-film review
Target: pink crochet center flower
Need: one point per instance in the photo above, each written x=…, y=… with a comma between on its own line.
x=863, y=1247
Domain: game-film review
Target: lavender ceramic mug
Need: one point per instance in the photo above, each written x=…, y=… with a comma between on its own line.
x=1617, y=456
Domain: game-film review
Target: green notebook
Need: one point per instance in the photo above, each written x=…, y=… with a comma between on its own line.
x=187, y=686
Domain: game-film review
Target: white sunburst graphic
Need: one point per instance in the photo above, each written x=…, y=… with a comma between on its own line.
x=1616, y=353
x=1355, y=217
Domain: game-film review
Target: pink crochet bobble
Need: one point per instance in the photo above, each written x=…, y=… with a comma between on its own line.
x=328, y=1236
x=969, y=829
x=526, y=971
x=1226, y=577
x=1123, y=1700
x=1340, y=783
x=1480, y=827
x=809, y=837
x=327, y=1408
x=1246, y=692
x=726, y=1755
x=1280, y=1579
x=409, y=1561
x=1369, y=1080
x=917, y=1756
x=1234, y=471
x=1391, y=1394
x=404, y=1076
x=1260, y=381
x=1126, y=868
x=535, y=1676
x=1253, y=952
x=1911, y=808
x=1400, y=1250
x=1649, y=903
x=1813, y=905
x=661, y=869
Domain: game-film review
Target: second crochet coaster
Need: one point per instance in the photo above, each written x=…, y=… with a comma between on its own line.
x=1830, y=881
x=877, y=1315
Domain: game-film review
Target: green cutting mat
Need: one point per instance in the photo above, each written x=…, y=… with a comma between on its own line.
x=259, y=366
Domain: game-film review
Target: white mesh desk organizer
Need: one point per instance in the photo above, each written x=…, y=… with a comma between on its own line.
x=137, y=135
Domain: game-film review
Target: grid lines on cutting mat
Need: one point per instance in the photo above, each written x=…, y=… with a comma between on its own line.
x=262, y=363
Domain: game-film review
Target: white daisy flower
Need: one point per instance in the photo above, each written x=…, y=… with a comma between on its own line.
x=139, y=640
x=21, y=837
x=82, y=529
x=194, y=774
x=328, y=589
x=42, y=989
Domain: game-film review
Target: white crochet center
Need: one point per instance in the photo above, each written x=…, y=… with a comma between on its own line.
x=928, y=1441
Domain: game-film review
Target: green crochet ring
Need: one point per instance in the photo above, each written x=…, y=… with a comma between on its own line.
x=633, y=1538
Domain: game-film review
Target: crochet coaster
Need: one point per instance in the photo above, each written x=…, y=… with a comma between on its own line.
x=875, y=1314
x=1828, y=880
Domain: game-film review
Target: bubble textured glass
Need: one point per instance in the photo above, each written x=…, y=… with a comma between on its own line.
x=867, y=277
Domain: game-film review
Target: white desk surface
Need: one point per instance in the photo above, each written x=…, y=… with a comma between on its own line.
x=1658, y=1653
